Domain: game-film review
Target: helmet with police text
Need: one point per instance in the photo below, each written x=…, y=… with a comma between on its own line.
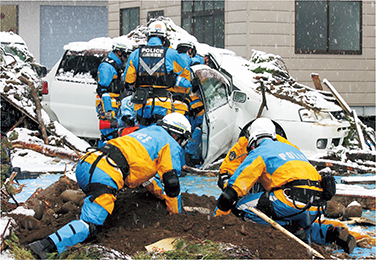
x=178, y=124
x=125, y=51
x=184, y=47
x=261, y=128
x=157, y=28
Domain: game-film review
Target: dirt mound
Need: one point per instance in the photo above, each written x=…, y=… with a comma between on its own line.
x=139, y=219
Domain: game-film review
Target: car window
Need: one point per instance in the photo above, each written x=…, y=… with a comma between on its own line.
x=79, y=66
x=15, y=49
x=214, y=87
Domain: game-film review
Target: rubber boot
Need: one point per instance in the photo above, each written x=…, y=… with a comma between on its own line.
x=41, y=248
x=342, y=238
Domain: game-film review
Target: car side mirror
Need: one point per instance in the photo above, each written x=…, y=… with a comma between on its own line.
x=239, y=96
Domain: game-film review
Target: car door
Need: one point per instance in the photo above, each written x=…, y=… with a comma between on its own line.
x=74, y=96
x=219, y=117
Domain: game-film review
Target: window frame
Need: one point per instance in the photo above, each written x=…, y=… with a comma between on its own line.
x=121, y=18
x=328, y=50
x=193, y=14
x=152, y=14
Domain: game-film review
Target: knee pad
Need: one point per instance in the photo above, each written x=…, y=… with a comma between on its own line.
x=171, y=183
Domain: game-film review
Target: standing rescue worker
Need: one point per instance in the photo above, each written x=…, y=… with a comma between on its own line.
x=129, y=160
x=193, y=157
x=157, y=73
x=109, y=89
x=294, y=190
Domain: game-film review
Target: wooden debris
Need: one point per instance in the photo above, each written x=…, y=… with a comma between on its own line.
x=206, y=173
x=285, y=231
x=352, y=113
x=316, y=81
x=38, y=106
x=47, y=150
x=200, y=210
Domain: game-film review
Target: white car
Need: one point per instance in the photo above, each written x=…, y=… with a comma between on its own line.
x=232, y=102
x=231, y=96
x=69, y=90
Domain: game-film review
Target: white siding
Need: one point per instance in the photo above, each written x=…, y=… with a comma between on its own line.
x=270, y=26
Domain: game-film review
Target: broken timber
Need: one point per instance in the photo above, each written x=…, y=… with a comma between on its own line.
x=48, y=150
x=351, y=113
x=32, y=118
x=316, y=81
x=38, y=106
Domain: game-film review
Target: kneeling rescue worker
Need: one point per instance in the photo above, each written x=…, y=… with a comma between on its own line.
x=294, y=192
x=129, y=160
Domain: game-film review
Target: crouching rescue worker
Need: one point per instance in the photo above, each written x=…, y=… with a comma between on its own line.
x=128, y=160
x=109, y=90
x=295, y=193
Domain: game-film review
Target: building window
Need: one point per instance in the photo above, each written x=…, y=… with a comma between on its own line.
x=9, y=18
x=129, y=19
x=205, y=20
x=328, y=27
x=155, y=14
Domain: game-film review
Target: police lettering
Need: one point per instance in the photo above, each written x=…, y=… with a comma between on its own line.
x=152, y=52
x=291, y=156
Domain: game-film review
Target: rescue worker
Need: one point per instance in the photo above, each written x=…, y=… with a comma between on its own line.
x=196, y=108
x=294, y=190
x=128, y=160
x=236, y=156
x=109, y=91
x=157, y=72
x=127, y=117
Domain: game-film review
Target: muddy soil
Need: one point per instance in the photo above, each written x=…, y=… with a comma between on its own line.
x=139, y=219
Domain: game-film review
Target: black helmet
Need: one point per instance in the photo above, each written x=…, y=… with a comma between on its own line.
x=183, y=47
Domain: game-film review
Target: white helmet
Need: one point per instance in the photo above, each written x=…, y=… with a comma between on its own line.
x=125, y=51
x=157, y=28
x=260, y=128
x=183, y=47
x=176, y=123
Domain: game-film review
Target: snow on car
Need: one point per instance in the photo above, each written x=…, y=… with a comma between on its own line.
x=234, y=91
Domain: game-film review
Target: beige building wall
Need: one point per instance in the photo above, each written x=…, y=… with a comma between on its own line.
x=270, y=26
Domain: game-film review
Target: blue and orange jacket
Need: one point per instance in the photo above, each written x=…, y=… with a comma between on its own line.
x=148, y=151
x=273, y=164
x=108, y=102
x=173, y=63
x=238, y=153
x=107, y=73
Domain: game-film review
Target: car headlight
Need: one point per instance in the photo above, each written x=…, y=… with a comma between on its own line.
x=306, y=115
x=321, y=143
x=323, y=115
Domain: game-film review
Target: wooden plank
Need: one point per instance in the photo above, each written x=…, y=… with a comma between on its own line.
x=359, y=131
x=316, y=81
x=341, y=101
x=350, y=112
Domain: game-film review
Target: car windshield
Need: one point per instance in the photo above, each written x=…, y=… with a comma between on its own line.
x=80, y=66
x=18, y=49
x=214, y=87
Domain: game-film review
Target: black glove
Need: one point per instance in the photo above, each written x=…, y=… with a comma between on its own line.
x=128, y=121
x=223, y=179
x=114, y=123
